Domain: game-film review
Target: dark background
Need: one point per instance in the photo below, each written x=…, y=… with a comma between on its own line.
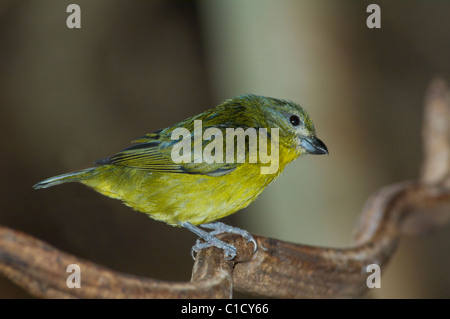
x=69, y=97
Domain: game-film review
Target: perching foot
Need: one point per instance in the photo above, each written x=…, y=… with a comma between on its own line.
x=210, y=239
x=221, y=228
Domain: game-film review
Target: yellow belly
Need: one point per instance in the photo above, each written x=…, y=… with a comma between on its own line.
x=178, y=197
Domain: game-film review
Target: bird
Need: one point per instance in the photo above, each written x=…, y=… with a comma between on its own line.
x=205, y=167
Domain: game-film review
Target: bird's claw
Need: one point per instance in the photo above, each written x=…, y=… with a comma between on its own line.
x=253, y=241
x=230, y=250
x=249, y=240
x=220, y=228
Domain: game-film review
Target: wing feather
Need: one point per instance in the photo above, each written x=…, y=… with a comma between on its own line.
x=153, y=155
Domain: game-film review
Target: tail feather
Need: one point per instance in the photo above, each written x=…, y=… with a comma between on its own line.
x=64, y=178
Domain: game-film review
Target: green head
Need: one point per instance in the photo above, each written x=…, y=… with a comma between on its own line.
x=296, y=128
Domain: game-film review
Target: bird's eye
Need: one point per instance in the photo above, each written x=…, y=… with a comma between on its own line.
x=295, y=120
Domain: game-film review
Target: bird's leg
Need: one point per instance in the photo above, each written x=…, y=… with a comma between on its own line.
x=221, y=228
x=210, y=240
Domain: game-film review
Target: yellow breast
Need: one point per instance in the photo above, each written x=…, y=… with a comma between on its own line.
x=177, y=197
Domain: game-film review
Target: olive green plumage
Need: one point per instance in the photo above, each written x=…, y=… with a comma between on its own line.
x=145, y=177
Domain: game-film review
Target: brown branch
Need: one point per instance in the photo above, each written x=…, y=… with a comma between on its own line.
x=41, y=270
x=277, y=269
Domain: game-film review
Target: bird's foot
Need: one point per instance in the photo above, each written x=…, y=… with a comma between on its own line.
x=230, y=250
x=211, y=241
x=221, y=228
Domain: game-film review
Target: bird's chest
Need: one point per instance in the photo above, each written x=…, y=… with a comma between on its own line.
x=204, y=199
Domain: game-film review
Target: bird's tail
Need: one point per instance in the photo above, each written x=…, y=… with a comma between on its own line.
x=65, y=178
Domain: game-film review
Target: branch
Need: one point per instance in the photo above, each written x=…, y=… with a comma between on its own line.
x=278, y=268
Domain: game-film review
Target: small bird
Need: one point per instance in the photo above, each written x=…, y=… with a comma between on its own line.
x=191, y=174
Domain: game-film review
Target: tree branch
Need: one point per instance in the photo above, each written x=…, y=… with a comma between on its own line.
x=278, y=268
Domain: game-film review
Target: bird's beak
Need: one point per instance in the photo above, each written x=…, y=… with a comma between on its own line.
x=313, y=145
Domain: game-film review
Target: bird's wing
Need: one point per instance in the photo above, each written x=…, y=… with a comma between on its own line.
x=153, y=152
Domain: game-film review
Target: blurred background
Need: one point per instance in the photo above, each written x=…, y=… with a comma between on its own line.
x=72, y=96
